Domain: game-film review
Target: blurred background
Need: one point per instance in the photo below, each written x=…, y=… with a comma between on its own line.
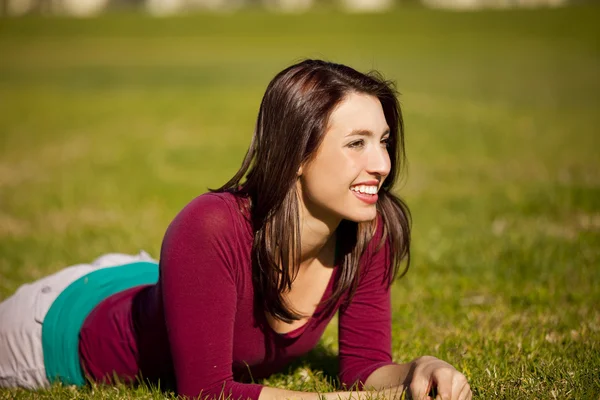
x=111, y=123
x=81, y=8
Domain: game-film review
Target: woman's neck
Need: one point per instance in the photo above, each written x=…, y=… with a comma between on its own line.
x=315, y=235
x=316, y=232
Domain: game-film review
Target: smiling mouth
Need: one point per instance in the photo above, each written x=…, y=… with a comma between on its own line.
x=366, y=193
x=365, y=189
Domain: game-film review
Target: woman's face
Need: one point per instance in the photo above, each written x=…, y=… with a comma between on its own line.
x=343, y=178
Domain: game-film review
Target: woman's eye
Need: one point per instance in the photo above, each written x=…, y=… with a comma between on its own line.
x=356, y=144
x=385, y=142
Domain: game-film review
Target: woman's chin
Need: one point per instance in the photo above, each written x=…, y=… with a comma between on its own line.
x=364, y=216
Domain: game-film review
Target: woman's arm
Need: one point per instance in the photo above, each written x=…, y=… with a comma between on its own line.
x=197, y=278
x=365, y=340
x=365, y=323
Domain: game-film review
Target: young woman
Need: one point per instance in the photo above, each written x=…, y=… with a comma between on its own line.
x=251, y=273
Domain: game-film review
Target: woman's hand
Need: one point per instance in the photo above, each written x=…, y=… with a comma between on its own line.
x=429, y=374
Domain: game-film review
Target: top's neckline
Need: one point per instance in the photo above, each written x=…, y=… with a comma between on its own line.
x=295, y=333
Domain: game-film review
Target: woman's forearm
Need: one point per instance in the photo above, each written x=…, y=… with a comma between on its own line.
x=387, y=382
x=390, y=393
x=392, y=375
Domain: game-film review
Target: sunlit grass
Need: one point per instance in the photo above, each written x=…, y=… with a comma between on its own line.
x=108, y=127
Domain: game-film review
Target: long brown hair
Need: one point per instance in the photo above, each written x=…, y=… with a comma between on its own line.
x=291, y=124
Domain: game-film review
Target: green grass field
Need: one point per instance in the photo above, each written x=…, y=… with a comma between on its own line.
x=108, y=127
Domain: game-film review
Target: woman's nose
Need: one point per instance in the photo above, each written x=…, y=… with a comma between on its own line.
x=379, y=162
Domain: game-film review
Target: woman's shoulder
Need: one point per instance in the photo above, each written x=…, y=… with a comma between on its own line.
x=215, y=201
x=215, y=211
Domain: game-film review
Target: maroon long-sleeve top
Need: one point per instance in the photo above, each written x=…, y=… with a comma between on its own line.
x=201, y=330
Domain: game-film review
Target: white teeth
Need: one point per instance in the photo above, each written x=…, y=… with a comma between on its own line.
x=364, y=189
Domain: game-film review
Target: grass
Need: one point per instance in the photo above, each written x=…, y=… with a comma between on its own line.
x=109, y=126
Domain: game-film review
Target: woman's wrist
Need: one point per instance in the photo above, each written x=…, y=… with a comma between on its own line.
x=389, y=376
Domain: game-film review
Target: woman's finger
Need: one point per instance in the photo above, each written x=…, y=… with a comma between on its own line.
x=458, y=383
x=419, y=387
x=443, y=379
x=465, y=393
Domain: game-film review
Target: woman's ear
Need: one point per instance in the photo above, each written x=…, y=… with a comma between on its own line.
x=300, y=169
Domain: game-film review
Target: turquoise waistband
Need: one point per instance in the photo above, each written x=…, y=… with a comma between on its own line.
x=60, y=330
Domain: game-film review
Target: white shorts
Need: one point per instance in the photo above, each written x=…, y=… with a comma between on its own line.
x=22, y=316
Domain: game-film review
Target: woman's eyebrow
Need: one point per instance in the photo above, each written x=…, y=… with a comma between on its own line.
x=365, y=132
